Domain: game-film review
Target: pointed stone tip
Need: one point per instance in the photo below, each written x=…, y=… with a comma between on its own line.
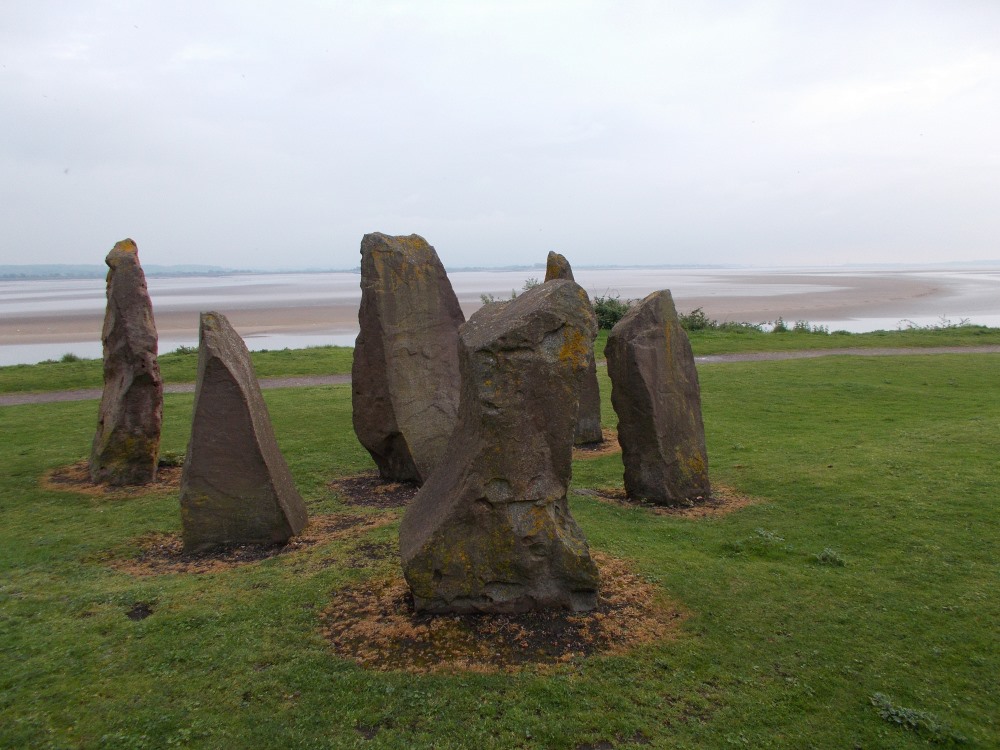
x=124, y=250
x=557, y=267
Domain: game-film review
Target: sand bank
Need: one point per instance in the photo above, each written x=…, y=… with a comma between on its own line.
x=298, y=304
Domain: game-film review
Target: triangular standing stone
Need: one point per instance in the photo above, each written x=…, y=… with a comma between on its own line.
x=236, y=487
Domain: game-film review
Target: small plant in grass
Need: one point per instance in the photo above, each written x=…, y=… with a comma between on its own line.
x=171, y=458
x=182, y=349
x=69, y=357
x=779, y=326
x=830, y=557
x=762, y=542
x=922, y=722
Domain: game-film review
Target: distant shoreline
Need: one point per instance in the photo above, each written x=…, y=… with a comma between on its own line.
x=58, y=271
x=270, y=309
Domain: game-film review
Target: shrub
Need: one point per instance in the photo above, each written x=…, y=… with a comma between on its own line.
x=610, y=309
x=696, y=320
x=185, y=350
x=69, y=357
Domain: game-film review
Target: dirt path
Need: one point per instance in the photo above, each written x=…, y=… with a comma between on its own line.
x=83, y=394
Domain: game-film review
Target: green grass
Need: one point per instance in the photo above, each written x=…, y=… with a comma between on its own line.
x=175, y=368
x=885, y=464
x=73, y=373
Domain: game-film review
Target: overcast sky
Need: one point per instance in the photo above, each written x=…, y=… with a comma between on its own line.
x=275, y=134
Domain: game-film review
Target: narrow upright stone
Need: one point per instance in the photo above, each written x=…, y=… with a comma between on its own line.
x=654, y=390
x=405, y=373
x=236, y=487
x=490, y=531
x=126, y=445
x=588, y=419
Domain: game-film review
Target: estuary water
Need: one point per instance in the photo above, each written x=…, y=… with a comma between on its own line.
x=45, y=319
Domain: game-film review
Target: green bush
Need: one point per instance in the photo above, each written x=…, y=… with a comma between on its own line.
x=610, y=309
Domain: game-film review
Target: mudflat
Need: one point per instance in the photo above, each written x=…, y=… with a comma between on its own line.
x=731, y=294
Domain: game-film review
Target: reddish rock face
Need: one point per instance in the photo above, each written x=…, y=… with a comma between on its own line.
x=405, y=373
x=654, y=390
x=588, y=419
x=490, y=530
x=236, y=487
x=126, y=445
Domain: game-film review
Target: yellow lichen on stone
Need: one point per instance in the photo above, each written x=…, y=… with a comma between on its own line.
x=574, y=349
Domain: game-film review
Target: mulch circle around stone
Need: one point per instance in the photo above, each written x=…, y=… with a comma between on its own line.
x=371, y=491
x=162, y=553
x=76, y=478
x=374, y=625
x=595, y=450
x=722, y=501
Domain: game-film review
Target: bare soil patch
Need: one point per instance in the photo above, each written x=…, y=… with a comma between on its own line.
x=371, y=491
x=161, y=553
x=76, y=478
x=374, y=625
x=596, y=450
x=722, y=501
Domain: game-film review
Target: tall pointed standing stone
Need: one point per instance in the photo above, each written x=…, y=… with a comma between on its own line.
x=236, y=487
x=405, y=374
x=588, y=419
x=126, y=445
x=491, y=531
x=655, y=392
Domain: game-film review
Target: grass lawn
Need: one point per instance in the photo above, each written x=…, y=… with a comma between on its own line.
x=336, y=360
x=866, y=573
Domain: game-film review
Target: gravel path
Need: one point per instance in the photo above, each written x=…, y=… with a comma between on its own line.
x=83, y=394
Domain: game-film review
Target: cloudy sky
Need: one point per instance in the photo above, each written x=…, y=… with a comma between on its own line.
x=275, y=134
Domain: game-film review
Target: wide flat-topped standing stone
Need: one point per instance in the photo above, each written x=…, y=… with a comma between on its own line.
x=654, y=390
x=405, y=373
x=236, y=487
x=490, y=531
x=126, y=445
x=588, y=419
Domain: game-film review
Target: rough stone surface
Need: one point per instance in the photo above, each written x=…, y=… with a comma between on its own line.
x=654, y=390
x=126, y=445
x=236, y=487
x=490, y=531
x=405, y=375
x=588, y=419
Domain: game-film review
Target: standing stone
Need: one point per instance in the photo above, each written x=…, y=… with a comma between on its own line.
x=490, y=531
x=127, y=443
x=405, y=374
x=236, y=487
x=654, y=390
x=588, y=419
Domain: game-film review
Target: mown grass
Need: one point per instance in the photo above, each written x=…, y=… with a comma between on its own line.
x=336, y=360
x=886, y=463
x=175, y=368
